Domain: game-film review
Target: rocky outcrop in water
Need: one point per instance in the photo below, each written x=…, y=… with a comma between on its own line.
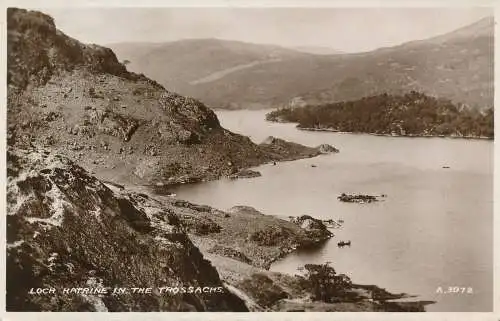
x=282, y=150
x=314, y=227
x=358, y=198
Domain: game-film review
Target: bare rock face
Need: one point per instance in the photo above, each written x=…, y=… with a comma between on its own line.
x=67, y=229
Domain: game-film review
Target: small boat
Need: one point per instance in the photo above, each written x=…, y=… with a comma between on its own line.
x=446, y=166
x=343, y=243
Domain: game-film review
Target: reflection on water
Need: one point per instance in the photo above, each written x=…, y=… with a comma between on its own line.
x=434, y=228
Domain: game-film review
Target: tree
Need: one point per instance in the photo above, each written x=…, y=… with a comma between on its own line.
x=324, y=282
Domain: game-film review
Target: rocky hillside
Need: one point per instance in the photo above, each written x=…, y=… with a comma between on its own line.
x=65, y=229
x=80, y=101
x=456, y=66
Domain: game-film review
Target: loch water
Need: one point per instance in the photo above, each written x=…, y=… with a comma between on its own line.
x=434, y=229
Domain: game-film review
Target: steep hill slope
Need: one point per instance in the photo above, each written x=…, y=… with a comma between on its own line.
x=79, y=100
x=65, y=229
x=457, y=66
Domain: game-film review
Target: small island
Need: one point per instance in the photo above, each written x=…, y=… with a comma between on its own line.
x=413, y=114
x=358, y=198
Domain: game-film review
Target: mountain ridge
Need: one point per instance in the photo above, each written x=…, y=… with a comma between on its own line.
x=437, y=66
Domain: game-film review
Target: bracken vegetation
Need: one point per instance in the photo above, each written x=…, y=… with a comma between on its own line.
x=412, y=114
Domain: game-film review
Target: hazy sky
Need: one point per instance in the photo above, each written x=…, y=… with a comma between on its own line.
x=350, y=30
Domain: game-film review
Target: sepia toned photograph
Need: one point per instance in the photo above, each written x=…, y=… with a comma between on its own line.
x=249, y=159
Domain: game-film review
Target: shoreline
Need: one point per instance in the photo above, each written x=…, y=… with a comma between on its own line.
x=390, y=135
x=243, y=262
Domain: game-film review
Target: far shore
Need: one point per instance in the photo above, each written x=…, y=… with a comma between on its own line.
x=331, y=130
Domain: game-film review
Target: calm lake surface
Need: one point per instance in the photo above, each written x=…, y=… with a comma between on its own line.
x=434, y=229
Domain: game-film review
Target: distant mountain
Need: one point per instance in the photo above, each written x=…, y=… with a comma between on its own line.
x=457, y=65
x=481, y=28
x=186, y=63
x=225, y=74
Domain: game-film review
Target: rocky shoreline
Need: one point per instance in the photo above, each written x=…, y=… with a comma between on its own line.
x=242, y=254
x=246, y=268
x=236, y=247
